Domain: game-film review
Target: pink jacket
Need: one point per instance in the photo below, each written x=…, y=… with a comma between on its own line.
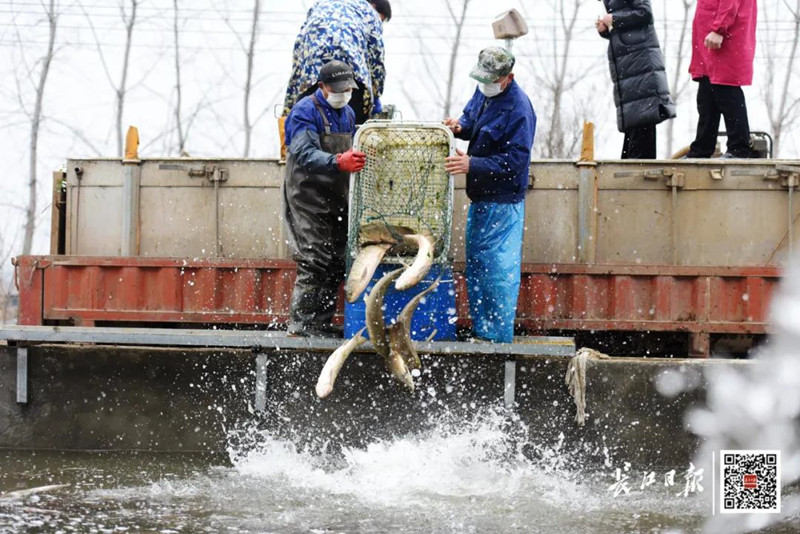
x=735, y=20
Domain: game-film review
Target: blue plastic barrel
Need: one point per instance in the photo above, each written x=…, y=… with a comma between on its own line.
x=437, y=311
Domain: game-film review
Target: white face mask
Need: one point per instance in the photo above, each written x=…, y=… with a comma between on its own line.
x=490, y=89
x=339, y=100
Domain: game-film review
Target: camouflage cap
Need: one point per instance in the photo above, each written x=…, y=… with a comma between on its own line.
x=493, y=63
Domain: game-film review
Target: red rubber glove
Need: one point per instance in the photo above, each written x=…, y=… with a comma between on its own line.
x=351, y=161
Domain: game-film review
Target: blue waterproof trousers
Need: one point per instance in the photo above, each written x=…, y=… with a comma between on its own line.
x=494, y=258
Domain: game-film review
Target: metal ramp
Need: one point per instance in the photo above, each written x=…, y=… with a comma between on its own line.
x=261, y=343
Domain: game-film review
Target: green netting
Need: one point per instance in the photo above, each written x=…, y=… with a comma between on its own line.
x=403, y=183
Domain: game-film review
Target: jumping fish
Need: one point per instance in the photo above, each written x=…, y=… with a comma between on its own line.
x=368, y=259
x=422, y=262
x=400, y=332
x=380, y=232
x=377, y=329
x=335, y=362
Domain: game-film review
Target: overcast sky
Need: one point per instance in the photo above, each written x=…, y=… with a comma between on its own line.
x=79, y=101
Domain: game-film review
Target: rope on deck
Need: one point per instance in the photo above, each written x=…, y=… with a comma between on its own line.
x=576, y=379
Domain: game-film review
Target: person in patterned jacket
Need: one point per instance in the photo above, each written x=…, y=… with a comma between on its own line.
x=350, y=31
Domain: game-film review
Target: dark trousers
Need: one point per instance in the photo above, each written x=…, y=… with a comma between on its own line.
x=713, y=102
x=315, y=212
x=640, y=143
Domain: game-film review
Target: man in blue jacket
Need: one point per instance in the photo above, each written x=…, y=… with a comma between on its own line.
x=319, y=137
x=500, y=124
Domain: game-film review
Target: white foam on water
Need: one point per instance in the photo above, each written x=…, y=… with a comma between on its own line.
x=464, y=474
x=478, y=460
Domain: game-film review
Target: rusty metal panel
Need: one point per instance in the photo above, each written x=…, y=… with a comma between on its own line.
x=551, y=214
x=56, y=210
x=659, y=298
x=242, y=213
x=177, y=221
x=694, y=213
x=551, y=226
x=28, y=279
x=182, y=211
x=260, y=211
x=735, y=227
x=666, y=212
x=634, y=226
x=86, y=290
x=663, y=212
x=94, y=214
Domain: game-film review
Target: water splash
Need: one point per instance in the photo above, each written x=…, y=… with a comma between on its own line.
x=481, y=472
x=480, y=457
x=488, y=458
x=756, y=406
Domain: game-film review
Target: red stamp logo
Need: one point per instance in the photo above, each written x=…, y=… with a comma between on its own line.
x=750, y=481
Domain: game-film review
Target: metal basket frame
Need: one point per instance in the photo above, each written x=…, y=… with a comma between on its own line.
x=354, y=224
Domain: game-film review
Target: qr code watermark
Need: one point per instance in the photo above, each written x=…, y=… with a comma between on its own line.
x=751, y=481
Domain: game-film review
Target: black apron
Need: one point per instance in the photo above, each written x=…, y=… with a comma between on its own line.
x=315, y=211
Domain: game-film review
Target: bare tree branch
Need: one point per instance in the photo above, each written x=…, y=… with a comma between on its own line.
x=12, y=206
x=778, y=89
x=78, y=133
x=248, y=126
x=458, y=22
x=249, y=50
x=121, y=90
x=430, y=70
x=97, y=44
x=30, y=212
x=178, y=125
x=558, y=79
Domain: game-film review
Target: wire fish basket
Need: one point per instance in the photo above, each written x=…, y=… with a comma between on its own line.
x=404, y=183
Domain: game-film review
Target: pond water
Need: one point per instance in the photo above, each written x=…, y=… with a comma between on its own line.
x=468, y=477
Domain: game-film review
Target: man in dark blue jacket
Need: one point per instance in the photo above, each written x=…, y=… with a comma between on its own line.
x=319, y=136
x=500, y=124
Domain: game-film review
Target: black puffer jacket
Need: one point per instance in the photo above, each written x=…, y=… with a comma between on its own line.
x=641, y=90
